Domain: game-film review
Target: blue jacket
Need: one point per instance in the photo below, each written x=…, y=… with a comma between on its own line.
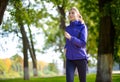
x=76, y=47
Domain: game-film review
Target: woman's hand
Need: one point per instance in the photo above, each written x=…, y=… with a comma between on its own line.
x=67, y=35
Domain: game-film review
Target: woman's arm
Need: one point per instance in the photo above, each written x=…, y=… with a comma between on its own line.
x=82, y=40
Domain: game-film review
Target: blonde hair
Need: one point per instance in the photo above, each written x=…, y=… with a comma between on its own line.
x=77, y=11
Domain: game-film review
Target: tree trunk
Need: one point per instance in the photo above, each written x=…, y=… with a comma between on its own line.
x=106, y=45
x=34, y=60
x=25, y=52
x=62, y=27
x=104, y=69
x=62, y=17
x=3, y=5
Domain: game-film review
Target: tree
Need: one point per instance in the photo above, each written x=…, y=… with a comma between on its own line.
x=17, y=15
x=17, y=63
x=55, y=36
x=33, y=54
x=25, y=52
x=3, y=67
x=3, y=5
x=106, y=43
x=52, y=67
x=22, y=16
x=8, y=63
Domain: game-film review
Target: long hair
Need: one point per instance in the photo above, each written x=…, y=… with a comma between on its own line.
x=80, y=16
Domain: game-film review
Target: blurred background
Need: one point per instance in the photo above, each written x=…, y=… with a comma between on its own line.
x=32, y=36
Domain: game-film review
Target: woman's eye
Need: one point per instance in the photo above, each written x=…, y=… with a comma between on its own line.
x=72, y=12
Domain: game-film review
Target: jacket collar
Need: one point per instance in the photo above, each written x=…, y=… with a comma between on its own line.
x=74, y=23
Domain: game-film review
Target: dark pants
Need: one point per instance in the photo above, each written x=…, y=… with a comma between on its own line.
x=81, y=66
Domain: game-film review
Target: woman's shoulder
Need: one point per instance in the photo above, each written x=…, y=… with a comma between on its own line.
x=82, y=26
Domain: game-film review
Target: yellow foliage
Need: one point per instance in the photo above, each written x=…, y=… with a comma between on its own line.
x=42, y=65
x=8, y=63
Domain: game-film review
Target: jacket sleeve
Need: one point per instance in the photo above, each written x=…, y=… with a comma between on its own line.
x=82, y=40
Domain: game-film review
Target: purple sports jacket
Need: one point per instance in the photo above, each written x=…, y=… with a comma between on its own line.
x=76, y=47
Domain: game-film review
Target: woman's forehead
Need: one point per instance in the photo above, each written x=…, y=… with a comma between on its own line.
x=72, y=10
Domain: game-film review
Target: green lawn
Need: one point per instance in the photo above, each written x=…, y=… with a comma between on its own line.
x=90, y=78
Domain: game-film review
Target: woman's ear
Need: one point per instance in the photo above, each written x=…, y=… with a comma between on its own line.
x=80, y=16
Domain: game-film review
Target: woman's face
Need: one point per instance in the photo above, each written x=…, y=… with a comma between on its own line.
x=72, y=15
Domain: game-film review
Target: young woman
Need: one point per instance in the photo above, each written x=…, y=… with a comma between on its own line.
x=75, y=47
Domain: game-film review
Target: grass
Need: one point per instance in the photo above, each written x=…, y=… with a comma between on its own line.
x=90, y=78
x=116, y=78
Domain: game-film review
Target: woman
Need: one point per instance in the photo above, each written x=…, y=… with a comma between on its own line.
x=75, y=47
